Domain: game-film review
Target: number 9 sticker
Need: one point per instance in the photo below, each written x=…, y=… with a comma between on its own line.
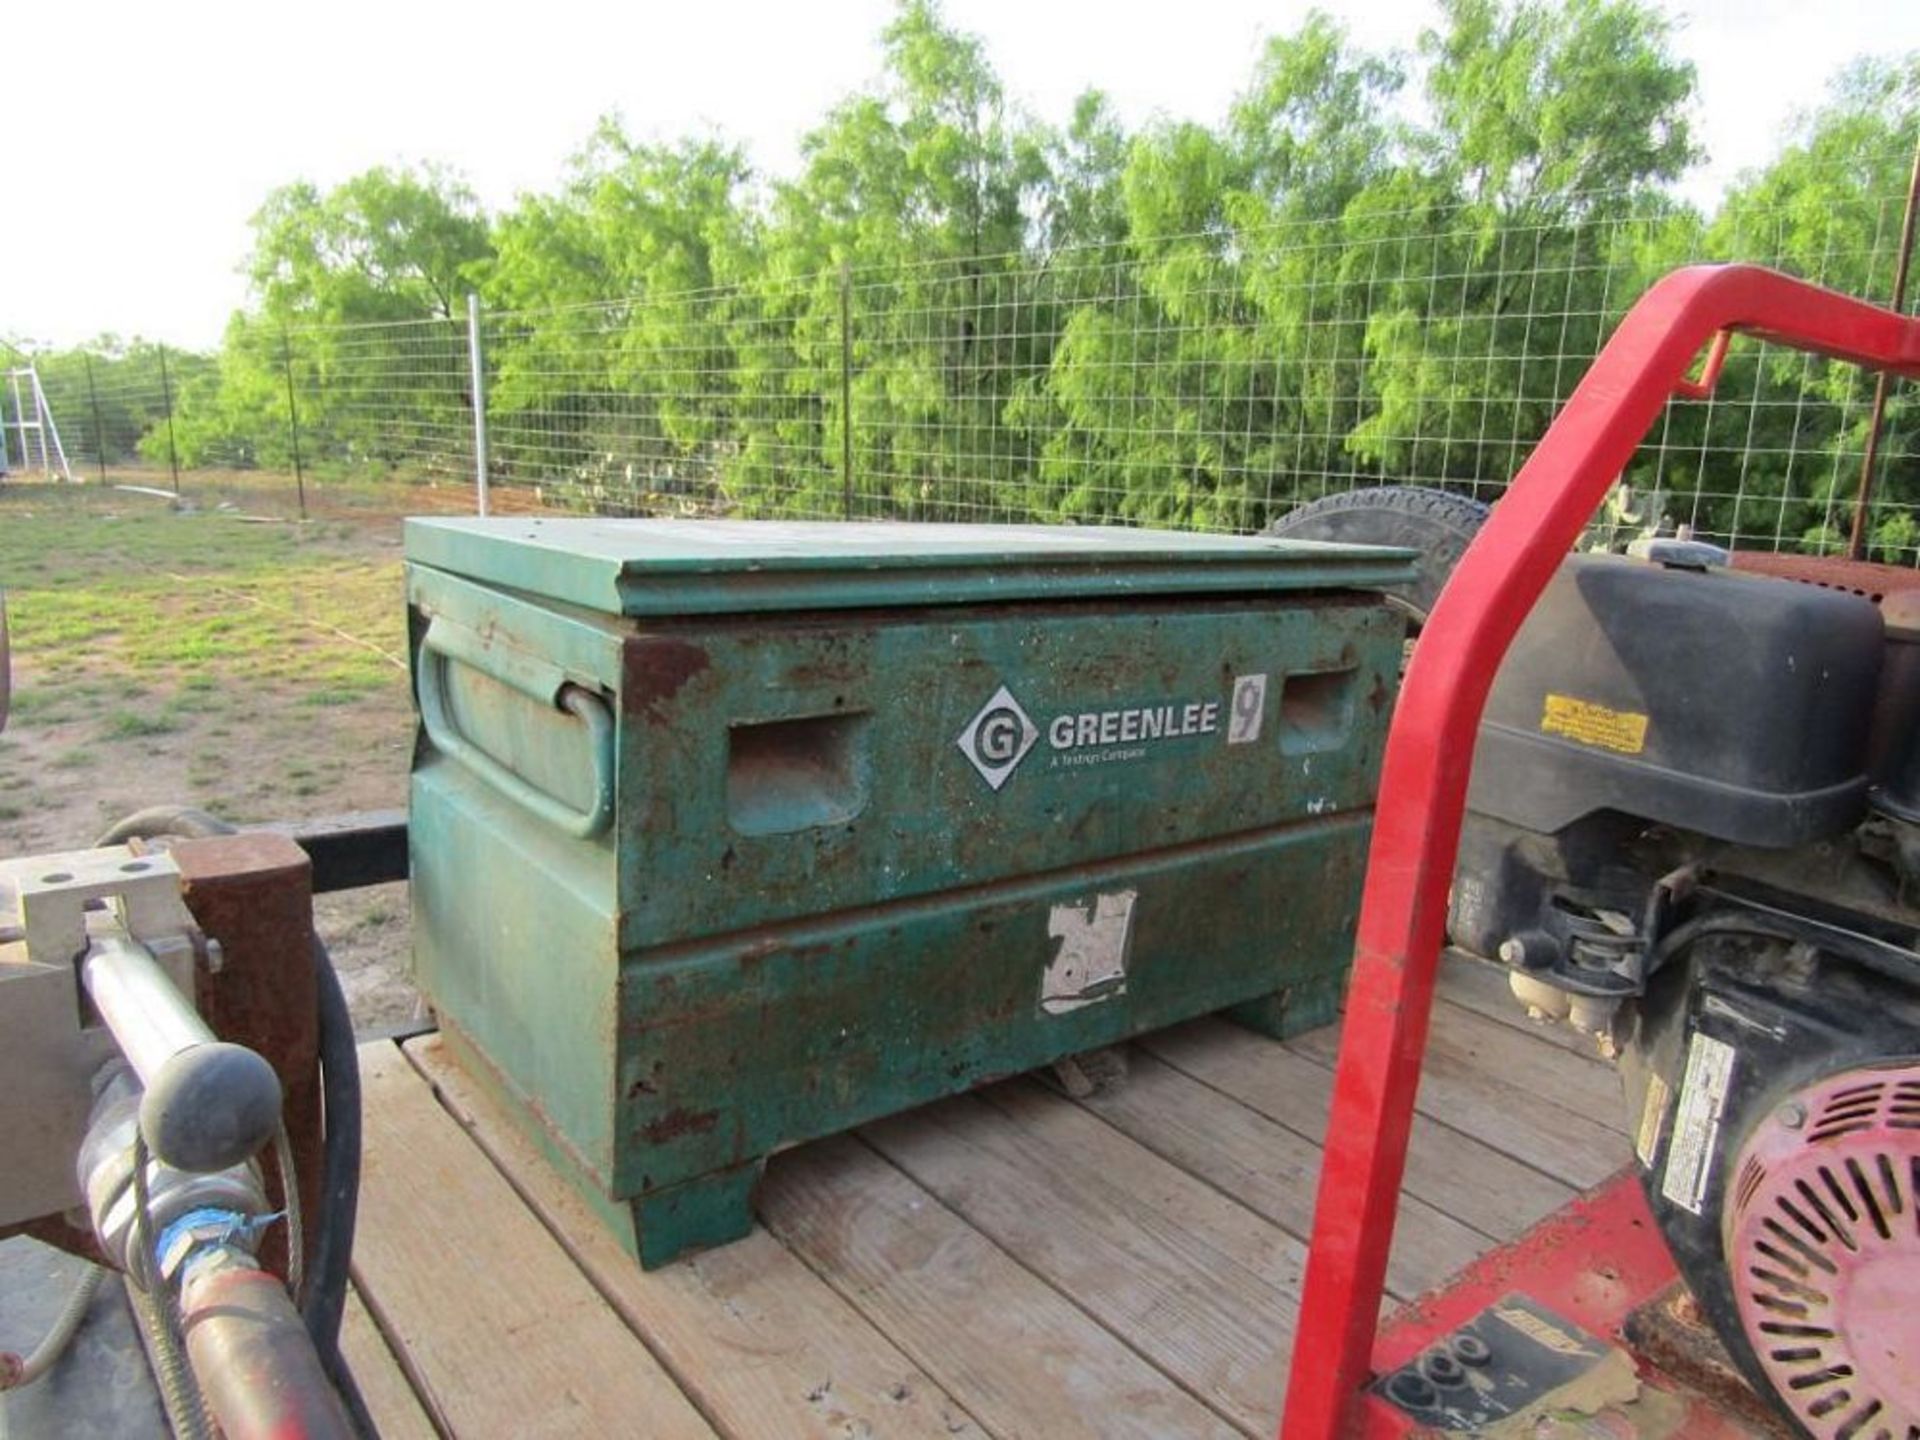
x=1248, y=710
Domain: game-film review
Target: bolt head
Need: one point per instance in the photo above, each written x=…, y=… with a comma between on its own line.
x=1792, y=1114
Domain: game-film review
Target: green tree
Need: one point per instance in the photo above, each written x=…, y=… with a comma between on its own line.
x=925, y=190
x=1550, y=107
x=385, y=245
x=1179, y=392
x=364, y=287
x=632, y=395
x=1548, y=120
x=1823, y=210
x=1384, y=266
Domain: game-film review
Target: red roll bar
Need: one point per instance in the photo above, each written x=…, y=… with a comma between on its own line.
x=1423, y=784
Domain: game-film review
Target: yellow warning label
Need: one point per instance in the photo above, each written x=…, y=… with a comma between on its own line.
x=1591, y=724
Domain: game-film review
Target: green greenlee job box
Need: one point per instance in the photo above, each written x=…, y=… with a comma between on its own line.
x=726, y=835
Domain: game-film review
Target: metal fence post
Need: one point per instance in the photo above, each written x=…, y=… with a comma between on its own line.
x=166, y=393
x=293, y=422
x=99, y=430
x=846, y=392
x=1863, y=497
x=476, y=365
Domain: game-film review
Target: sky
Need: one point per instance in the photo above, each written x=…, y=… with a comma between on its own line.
x=142, y=136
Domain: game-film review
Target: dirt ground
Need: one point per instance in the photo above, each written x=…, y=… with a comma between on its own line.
x=218, y=652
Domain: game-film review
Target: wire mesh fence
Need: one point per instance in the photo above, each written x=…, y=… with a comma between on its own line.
x=1209, y=380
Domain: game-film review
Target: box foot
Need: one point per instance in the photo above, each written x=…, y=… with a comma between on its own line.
x=694, y=1215
x=1305, y=1005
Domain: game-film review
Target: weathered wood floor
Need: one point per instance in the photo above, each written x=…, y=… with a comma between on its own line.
x=1008, y=1263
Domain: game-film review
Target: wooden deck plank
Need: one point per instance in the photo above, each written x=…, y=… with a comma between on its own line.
x=1492, y=1192
x=1504, y=1110
x=503, y=1336
x=1583, y=1085
x=1267, y=1167
x=1022, y=1359
x=1005, y=1264
x=1197, y=1282
x=383, y=1386
x=764, y=1345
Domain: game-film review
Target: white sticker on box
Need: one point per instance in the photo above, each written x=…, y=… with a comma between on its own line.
x=1696, y=1122
x=1090, y=963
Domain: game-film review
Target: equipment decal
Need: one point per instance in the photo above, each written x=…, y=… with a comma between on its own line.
x=1588, y=723
x=1247, y=710
x=1002, y=734
x=1653, y=1120
x=1696, y=1121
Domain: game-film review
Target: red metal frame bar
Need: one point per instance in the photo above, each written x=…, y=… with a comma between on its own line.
x=1423, y=783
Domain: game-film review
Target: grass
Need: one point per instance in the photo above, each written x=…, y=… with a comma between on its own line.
x=98, y=587
x=136, y=724
x=40, y=704
x=265, y=649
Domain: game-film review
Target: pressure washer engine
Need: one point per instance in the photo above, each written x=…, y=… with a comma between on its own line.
x=1694, y=831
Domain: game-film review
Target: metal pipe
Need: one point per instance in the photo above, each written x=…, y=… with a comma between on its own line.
x=209, y=1105
x=129, y=1202
x=293, y=422
x=476, y=365
x=99, y=429
x=166, y=393
x=150, y=1019
x=1863, y=499
x=254, y=1360
x=846, y=392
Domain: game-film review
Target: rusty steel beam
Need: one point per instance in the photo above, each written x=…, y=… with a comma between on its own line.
x=349, y=851
x=252, y=894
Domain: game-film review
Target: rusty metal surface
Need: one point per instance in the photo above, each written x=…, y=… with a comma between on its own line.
x=350, y=851
x=1832, y=572
x=1670, y=1333
x=863, y=857
x=252, y=894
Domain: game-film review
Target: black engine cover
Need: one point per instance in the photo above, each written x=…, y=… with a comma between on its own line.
x=1729, y=705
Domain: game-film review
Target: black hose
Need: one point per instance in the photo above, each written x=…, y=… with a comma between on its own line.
x=326, y=1297
x=158, y=820
x=1882, y=957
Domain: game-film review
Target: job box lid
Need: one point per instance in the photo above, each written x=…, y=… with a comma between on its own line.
x=695, y=567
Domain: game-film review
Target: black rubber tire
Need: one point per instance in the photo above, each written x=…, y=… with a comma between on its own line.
x=1437, y=523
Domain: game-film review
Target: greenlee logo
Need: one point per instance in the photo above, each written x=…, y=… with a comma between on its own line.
x=998, y=738
x=1002, y=734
